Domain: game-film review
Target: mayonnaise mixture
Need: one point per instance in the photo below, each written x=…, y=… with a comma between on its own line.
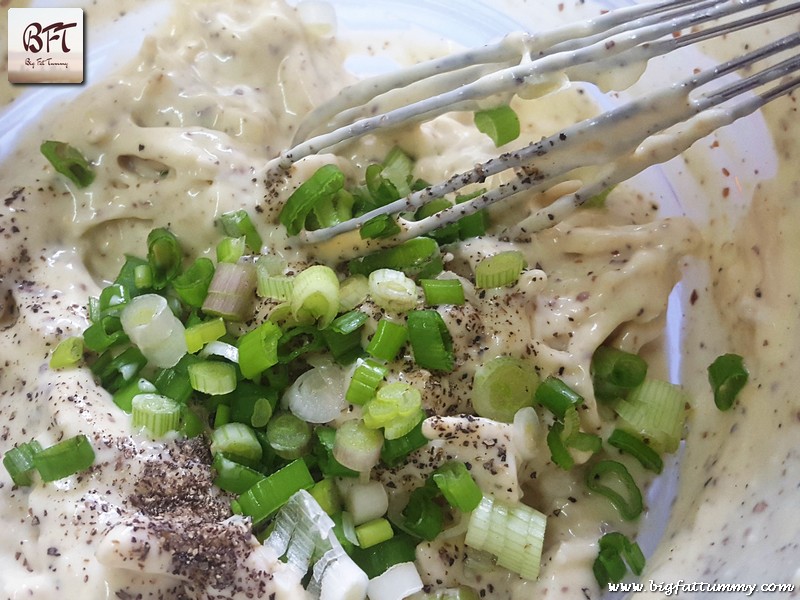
x=184, y=133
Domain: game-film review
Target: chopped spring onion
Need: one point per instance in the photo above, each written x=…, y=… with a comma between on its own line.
x=67, y=354
x=357, y=446
x=616, y=372
x=318, y=395
x=629, y=503
x=656, y=411
x=222, y=416
x=19, y=462
x=502, y=386
x=395, y=451
x=379, y=558
x=192, y=285
x=559, y=453
x=514, y=533
x=366, y=379
x=389, y=337
x=306, y=536
x=727, y=376
x=272, y=492
x=213, y=377
x=275, y=287
x=116, y=371
x=457, y=486
x=143, y=277
x=124, y=396
x=230, y=249
x=237, y=223
x=151, y=325
x=156, y=413
x=173, y=382
x=418, y=257
x=327, y=496
x=499, y=270
x=392, y=290
x=599, y=200
x=69, y=162
x=396, y=407
x=233, y=477
x=501, y=124
x=556, y=396
x=349, y=322
x=609, y=567
x=204, y=332
x=164, y=256
x=379, y=227
x=113, y=299
x=422, y=516
x=442, y=291
x=323, y=451
x=633, y=445
x=430, y=340
x=103, y=334
x=398, y=168
x=65, y=458
x=230, y=293
x=443, y=235
x=397, y=582
x=324, y=183
x=315, y=295
x=221, y=349
x=258, y=349
x=353, y=292
x=236, y=441
x=374, y=532
x=288, y=436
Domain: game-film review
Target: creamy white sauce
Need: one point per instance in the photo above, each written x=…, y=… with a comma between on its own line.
x=209, y=100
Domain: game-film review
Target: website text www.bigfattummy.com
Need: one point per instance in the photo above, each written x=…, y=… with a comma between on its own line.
x=677, y=587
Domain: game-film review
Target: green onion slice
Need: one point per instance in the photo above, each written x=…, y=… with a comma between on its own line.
x=192, y=285
x=156, y=413
x=609, y=567
x=258, y=349
x=457, y=486
x=396, y=407
x=502, y=386
x=500, y=270
x=394, y=452
x=289, y=436
x=315, y=295
x=324, y=183
x=514, y=533
x=389, y=337
x=633, y=445
x=69, y=162
x=656, y=411
x=236, y=441
x=356, y=446
x=501, y=124
x=202, y=333
x=212, y=377
x=268, y=495
x=557, y=396
x=230, y=293
x=366, y=379
x=164, y=256
x=442, y=291
x=67, y=354
x=65, y=458
x=629, y=501
x=233, y=477
x=431, y=342
x=727, y=376
x=418, y=257
x=19, y=462
x=616, y=372
x=392, y=290
x=374, y=532
x=237, y=223
x=379, y=227
x=230, y=249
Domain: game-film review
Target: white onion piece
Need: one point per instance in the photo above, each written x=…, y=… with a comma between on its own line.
x=397, y=582
x=525, y=432
x=317, y=396
x=392, y=290
x=364, y=501
x=147, y=319
x=159, y=334
x=217, y=348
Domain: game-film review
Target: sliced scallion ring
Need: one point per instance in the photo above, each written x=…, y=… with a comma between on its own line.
x=156, y=413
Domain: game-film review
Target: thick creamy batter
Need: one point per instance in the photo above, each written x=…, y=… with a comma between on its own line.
x=183, y=134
